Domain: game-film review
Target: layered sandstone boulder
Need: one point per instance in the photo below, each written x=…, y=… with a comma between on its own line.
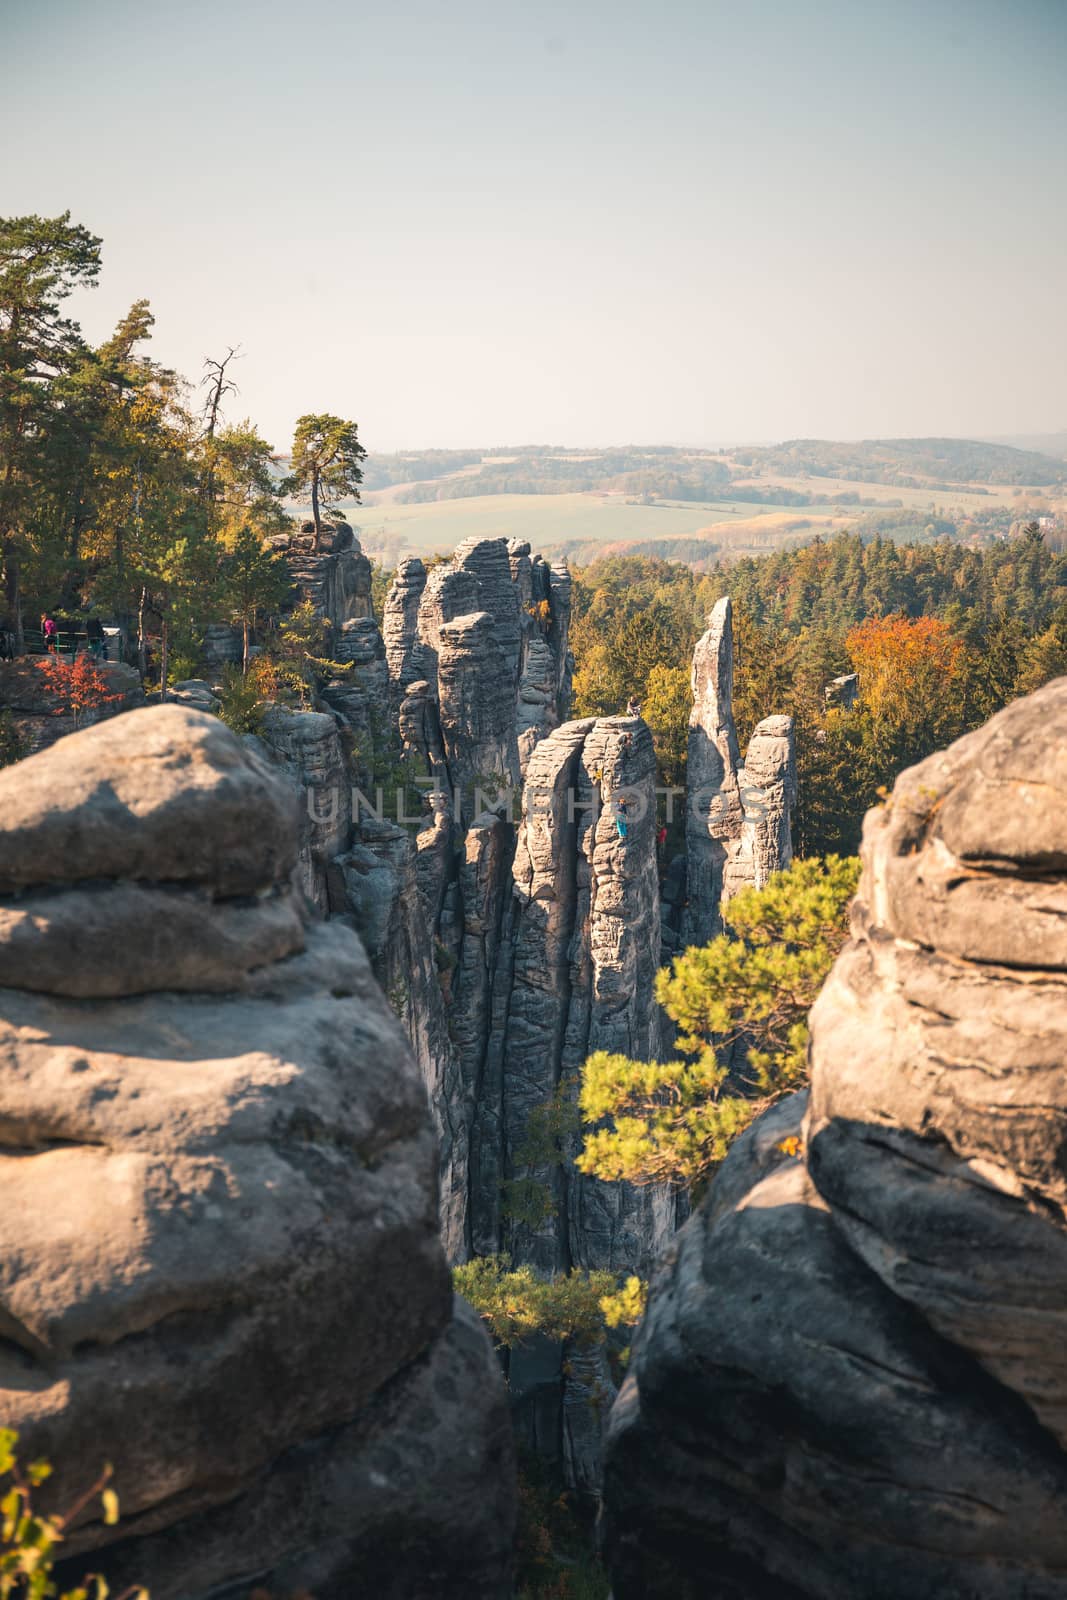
x=852, y=1376
x=220, y=1266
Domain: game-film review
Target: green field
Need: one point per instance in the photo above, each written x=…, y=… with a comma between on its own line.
x=543, y=519
x=635, y=499
x=962, y=497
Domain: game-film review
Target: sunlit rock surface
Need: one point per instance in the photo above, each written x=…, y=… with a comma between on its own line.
x=738, y=817
x=220, y=1266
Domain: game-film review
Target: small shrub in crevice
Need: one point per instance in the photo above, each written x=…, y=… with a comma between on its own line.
x=30, y=1540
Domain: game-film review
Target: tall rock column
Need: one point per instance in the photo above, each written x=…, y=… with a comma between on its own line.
x=557, y=582
x=714, y=813
x=614, y=959
x=476, y=703
x=585, y=934
x=517, y=658
x=448, y=593
x=400, y=626
x=738, y=818
x=768, y=782
x=484, y=885
x=545, y=911
x=488, y=562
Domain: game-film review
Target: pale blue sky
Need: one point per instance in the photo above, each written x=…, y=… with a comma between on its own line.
x=468, y=223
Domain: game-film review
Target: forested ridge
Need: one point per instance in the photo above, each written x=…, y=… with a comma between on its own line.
x=681, y=473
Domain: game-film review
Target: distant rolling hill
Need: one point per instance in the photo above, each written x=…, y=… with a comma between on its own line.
x=1045, y=444
x=909, y=462
x=699, y=505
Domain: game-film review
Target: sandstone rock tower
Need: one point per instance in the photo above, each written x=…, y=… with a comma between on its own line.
x=219, y=1256
x=737, y=817
x=852, y=1378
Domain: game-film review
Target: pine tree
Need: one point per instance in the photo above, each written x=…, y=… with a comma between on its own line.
x=748, y=990
x=253, y=579
x=327, y=458
x=42, y=260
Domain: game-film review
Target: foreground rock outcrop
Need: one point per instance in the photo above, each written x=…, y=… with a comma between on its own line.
x=220, y=1265
x=852, y=1379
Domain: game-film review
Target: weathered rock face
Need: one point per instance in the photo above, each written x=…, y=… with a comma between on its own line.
x=375, y=884
x=508, y=965
x=449, y=592
x=497, y=685
x=336, y=579
x=851, y=1379
x=162, y=798
x=544, y=941
x=538, y=695
x=400, y=625
x=488, y=561
x=221, y=647
x=419, y=726
x=843, y=691
x=714, y=815
x=575, y=943
x=360, y=695
x=738, y=818
x=476, y=699
x=558, y=583
x=219, y=1258
x=305, y=744
x=768, y=797
x=615, y=959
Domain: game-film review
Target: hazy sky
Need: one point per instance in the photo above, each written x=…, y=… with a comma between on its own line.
x=466, y=223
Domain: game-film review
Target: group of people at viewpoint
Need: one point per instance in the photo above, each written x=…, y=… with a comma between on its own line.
x=95, y=638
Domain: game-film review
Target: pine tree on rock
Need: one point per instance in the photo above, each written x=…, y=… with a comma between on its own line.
x=327, y=458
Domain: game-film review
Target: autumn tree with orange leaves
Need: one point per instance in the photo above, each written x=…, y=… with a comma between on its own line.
x=912, y=686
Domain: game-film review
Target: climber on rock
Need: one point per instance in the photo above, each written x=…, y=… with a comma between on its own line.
x=633, y=706
x=622, y=821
